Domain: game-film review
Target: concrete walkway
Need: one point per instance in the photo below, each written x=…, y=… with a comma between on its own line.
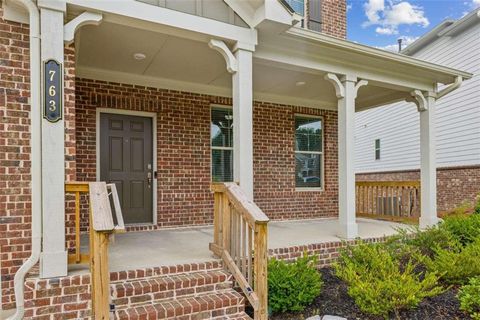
x=135, y=250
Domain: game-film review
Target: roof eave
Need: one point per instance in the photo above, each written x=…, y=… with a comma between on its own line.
x=387, y=56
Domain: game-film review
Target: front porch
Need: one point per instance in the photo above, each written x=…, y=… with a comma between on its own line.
x=180, y=246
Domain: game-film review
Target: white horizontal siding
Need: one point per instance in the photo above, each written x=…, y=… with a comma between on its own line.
x=457, y=117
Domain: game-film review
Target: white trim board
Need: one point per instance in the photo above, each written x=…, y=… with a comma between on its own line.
x=151, y=115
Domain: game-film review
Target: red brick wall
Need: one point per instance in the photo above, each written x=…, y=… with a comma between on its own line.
x=274, y=164
x=455, y=185
x=183, y=127
x=334, y=18
x=15, y=176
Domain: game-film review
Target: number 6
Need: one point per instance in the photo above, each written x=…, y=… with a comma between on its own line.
x=51, y=91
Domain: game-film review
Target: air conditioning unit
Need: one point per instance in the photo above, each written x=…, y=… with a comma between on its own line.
x=389, y=206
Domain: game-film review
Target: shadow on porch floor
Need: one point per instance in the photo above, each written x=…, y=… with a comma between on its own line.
x=135, y=250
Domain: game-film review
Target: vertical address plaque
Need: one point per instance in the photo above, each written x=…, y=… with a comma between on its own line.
x=52, y=84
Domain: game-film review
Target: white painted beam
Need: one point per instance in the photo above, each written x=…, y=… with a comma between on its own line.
x=53, y=259
x=150, y=17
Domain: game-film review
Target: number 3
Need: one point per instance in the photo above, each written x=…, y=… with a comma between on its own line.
x=52, y=107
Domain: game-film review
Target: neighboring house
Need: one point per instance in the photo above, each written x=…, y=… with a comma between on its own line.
x=161, y=99
x=388, y=138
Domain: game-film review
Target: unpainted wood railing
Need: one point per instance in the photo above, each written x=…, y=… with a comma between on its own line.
x=101, y=226
x=388, y=200
x=240, y=239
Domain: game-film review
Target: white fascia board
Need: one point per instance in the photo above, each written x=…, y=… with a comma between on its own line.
x=243, y=9
x=380, y=76
x=139, y=11
x=435, y=70
x=273, y=11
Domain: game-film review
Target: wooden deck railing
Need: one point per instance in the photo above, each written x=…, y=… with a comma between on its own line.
x=101, y=225
x=240, y=239
x=390, y=200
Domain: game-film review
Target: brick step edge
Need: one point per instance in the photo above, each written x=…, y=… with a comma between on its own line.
x=206, y=306
x=238, y=316
x=119, y=276
x=150, y=290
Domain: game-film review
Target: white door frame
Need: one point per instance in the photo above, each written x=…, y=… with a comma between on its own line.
x=151, y=115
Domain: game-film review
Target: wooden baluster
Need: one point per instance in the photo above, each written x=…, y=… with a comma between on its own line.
x=217, y=219
x=227, y=228
x=239, y=240
x=250, y=260
x=244, y=247
x=261, y=259
x=77, y=227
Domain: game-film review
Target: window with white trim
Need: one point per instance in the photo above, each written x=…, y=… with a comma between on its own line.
x=221, y=134
x=377, y=149
x=308, y=152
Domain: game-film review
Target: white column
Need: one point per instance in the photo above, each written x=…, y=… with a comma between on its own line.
x=348, y=227
x=243, y=120
x=428, y=170
x=346, y=90
x=53, y=259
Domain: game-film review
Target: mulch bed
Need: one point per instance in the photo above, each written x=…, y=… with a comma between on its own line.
x=334, y=300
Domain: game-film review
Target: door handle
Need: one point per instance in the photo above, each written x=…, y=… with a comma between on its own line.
x=149, y=179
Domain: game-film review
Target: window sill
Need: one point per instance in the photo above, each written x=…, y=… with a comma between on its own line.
x=308, y=189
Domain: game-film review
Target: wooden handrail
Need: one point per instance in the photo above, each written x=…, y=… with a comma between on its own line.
x=388, y=200
x=240, y=239
x=101, y=227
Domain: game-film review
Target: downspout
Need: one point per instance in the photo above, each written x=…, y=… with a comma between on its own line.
x=36, y=152
x=450, y=88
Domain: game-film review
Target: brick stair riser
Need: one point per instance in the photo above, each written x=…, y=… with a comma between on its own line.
x=207, y=306
x=167, y=287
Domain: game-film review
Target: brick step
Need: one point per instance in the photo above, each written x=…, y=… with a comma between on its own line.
x=238, y=316
x=228, y=304
x=130, y=293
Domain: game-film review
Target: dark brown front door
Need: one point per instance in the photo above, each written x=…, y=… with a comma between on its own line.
x=126, y=159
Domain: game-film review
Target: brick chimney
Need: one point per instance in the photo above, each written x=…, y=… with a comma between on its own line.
x=327, y=16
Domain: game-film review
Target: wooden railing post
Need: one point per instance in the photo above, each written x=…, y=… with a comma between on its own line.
x=261, y=262
x=217, y=218
x=226, y=219
x=100, y=276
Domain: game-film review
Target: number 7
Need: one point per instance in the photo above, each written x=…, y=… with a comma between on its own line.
x=52, y=73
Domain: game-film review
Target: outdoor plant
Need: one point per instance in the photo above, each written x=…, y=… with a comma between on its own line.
x=476, y=209
x=424, y=241
x=465, y=228
x=469, y=296
x=457, y=263
x=380, y=283
x=293, y=286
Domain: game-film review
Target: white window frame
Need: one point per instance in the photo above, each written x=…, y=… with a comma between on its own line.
x=379, y=149
x=227, y=107
x=321, y=153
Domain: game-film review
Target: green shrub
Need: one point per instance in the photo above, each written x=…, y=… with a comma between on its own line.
x=456, y=264
x=293, y=286
x=425, y=241
x=476, y=209
x=469, y=296
x=379, y=283
x=465, y=228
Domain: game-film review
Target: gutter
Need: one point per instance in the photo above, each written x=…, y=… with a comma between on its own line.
x=36, y=167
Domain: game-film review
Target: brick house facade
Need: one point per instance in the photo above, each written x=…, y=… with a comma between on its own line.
x=181, y=201
x=183, y=126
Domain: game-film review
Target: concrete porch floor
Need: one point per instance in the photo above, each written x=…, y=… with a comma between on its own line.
x=136, y=250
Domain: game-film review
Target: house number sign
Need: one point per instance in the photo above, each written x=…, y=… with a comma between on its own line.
x=52, y=84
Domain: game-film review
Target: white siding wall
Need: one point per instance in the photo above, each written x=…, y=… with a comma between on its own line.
x=457, y=118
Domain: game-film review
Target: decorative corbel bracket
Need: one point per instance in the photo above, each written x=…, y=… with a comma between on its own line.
x=359, y=84
x=221, y=47
x=337, y=84
x=86, y=18
x=419, y=99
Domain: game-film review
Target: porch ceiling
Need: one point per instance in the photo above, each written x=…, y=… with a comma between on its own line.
x=105, y=52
